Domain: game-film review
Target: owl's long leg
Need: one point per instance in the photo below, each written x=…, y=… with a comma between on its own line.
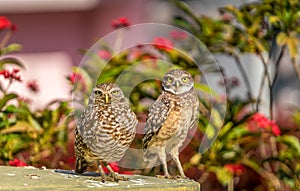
x=114, y=175
x=102, y=173
x=175, y=155
x=163, y=159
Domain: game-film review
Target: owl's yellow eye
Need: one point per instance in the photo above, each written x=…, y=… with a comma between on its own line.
x=170, y=79
x=98, y=92
x=185, y=79
x=115, y=92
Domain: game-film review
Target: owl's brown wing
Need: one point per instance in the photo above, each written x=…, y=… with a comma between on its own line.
x=158, y=114
x=195, y=112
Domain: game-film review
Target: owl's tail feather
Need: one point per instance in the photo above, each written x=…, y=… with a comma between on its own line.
x=81, y=165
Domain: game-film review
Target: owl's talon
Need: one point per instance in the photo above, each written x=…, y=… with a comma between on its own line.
x=181, y=177
x=165, y=176
x=100, y=179
x=117, y=177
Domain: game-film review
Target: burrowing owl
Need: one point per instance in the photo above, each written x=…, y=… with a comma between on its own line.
x=105, y=130
x=169, y=119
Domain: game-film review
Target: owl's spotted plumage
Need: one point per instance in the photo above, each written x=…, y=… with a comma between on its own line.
x=169, y=119
x=105, y=129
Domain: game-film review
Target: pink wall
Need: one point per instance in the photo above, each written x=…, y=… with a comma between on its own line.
x=51, y=41
x=70, y=31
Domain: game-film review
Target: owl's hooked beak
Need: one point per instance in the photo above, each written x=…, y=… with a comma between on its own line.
x=107, y=99
x=177, y=84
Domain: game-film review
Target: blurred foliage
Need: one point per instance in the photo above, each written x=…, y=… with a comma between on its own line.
x=261, y=29
x=31, y=135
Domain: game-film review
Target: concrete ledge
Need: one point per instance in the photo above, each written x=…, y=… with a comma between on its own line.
x=30, y=178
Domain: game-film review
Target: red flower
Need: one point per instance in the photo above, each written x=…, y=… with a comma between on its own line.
x=178, y=35
x=120, y=22
x=275, y=129
x=17, y=162
x=236, y=169
x=5, y=23
x=114, y=166
x=127, y=172
x=13, y=27
x=104, y=54
x=11, y=75
x=71, y=160
x=74, y=77
x=261, y=121
x=162, y=43
x=33, y=86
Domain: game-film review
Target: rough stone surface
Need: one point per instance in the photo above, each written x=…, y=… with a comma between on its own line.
x=30, y=178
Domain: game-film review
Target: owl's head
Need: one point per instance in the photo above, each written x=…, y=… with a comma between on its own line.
x=107, y=93
x=177, y=81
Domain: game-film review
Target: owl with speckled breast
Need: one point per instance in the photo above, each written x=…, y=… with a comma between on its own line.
x=105, y=130
x=169, y=120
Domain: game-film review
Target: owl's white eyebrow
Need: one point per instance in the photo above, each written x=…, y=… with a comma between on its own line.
x=114, y=89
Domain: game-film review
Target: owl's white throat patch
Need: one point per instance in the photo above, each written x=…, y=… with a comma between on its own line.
x=179, y=90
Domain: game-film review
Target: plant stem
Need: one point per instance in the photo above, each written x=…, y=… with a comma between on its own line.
x=263, y=153
x=119, y=41
x=267, y=76
x=296, y=67
x=231, y=185
x=5, y=39
x=277, y=63
x=244, y=76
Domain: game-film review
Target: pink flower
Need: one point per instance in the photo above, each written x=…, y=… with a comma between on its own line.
x=33, y=86
x=104, y=54
x=178, y=35
x=162, y=43
x=17, y=162
x=120, y=23
x=5, y=23
x=237, y=169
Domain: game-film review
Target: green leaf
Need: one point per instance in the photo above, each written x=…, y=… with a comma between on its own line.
x=237, y=132
x=185, y=8
x=11, y=48
x=251, y=164
x=195, y=160
x=205, y=88
x=281, y=39
x=274, y=19
x=291, y=141
x=14, y=109
x=10, y=60
x=223, y=175
x=34, y=123
x=292, y=43
x=20, y=126
x=227, y=127
x=6, y=98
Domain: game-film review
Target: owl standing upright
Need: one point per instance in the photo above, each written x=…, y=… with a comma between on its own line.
x=104, y=130
x=169, y=119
